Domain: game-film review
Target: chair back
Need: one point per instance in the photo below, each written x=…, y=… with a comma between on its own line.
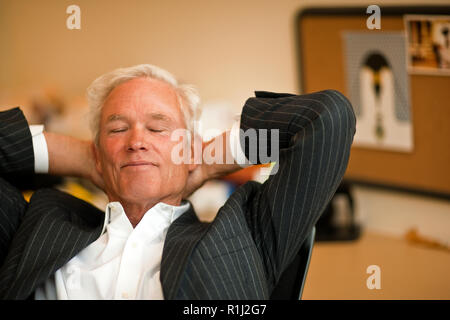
x=292, y=281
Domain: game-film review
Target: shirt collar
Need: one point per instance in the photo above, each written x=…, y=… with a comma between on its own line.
x=115, y=211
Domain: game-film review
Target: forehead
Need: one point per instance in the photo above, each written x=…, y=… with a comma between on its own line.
x=141, y=96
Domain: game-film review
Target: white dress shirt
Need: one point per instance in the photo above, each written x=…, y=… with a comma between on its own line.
x=39, y=148
x=124, y=262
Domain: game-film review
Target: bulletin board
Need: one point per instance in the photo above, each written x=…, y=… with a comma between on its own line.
x=423, y=168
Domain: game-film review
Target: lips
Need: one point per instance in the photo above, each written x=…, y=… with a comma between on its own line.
x=138, y=163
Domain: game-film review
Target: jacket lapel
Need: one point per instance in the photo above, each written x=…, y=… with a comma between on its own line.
x=183, y=234
x=54, y=229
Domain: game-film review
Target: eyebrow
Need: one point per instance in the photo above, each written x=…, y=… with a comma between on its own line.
x=159, y=116
x=116, y=117
x=153, y=115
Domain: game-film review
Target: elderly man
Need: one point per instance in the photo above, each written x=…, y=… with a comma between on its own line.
x=149, y=243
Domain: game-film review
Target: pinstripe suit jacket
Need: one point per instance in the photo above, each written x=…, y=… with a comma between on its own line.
x=240, y=255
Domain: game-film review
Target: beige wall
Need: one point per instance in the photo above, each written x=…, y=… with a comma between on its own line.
x=228, y=48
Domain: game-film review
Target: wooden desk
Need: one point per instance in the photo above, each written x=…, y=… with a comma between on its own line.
x=408, y=271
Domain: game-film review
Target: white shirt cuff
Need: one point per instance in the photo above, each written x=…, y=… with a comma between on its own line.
x=235, y=145
x=39, y=148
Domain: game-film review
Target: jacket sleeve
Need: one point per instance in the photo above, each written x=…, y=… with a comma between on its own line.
x=16, y=146
x=315, y=133
x=16, y=158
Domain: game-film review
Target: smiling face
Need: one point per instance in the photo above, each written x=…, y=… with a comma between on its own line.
x=134, y=147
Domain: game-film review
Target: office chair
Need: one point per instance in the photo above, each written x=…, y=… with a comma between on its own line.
x=292, y=280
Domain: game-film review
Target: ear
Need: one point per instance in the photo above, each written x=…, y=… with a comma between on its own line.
x=98, y=165
x=196, y=152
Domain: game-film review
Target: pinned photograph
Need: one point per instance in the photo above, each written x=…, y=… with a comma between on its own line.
x=379, y=90
x=428, y=42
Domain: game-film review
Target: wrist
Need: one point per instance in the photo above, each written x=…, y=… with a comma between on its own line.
x=220, y=160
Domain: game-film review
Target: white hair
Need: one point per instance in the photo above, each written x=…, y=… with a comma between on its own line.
x=100, y=88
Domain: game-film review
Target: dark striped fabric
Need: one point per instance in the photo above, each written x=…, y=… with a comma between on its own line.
x=36, y=239
x=15, y=147
x=255, y=235
x=259, y=230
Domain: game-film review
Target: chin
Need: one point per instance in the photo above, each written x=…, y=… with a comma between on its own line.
x=136, y=191
x=141, y=193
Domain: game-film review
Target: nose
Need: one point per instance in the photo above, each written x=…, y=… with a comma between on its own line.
x=136, y=141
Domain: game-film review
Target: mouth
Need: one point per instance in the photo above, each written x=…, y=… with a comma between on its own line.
x=138, y=164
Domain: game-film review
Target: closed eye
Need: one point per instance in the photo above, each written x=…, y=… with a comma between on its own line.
x=155, y=130
x=118, y=130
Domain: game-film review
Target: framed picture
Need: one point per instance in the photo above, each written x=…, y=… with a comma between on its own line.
x=428, y=44
x=378, y=85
